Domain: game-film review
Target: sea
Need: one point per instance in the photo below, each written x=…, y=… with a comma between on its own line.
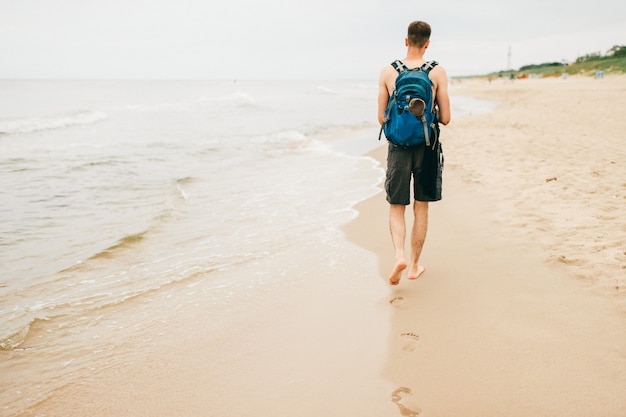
x=114, y=190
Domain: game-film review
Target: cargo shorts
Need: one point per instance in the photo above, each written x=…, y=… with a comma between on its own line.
x=402, y=166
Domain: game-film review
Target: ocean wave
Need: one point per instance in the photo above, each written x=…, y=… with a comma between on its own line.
x=34, y=124
x=228, y=101
x=124, y=243
x=287, y=138
x=236, y=99
x=181, y=190
x=175, y=195
x=13, y=338
x=159, y=107
x=325, y=90
x=240, y=98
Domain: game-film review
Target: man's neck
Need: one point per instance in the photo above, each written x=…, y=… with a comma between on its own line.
x=415, y=54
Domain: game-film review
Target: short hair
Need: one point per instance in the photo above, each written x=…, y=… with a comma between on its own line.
x=418, y=33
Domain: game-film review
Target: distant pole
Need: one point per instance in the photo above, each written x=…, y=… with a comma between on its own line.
x=508, y=62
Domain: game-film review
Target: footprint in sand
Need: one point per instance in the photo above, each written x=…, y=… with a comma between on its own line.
x=403, y=395
x=569, y=261
x=396, y=301
x=410, y=341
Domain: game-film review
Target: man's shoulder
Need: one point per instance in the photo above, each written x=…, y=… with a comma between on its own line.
x=388, y=72
x=438, y=71
x=388, y=69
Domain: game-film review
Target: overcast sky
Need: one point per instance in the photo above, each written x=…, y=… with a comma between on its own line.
x=284, y=39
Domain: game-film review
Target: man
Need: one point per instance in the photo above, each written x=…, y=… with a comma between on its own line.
x=404, y=163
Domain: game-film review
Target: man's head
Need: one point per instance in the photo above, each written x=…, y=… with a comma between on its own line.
x=418, y=34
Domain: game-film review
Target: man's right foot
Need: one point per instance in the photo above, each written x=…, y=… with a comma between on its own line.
x=396, y=274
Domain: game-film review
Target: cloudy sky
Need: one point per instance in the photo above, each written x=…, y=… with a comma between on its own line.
x=284, y=39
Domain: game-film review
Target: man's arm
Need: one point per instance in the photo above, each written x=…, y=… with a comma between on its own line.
x=438, y=75
x=383, y=93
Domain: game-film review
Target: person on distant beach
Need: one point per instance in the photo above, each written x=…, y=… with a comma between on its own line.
x=404, y=163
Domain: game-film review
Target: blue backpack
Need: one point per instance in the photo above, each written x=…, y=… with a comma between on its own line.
x=410, y=118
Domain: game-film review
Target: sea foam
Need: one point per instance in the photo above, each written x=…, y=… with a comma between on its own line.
x=34, y=124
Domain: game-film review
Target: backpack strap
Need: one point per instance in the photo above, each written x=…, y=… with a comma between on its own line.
x=427, y=66
x=399, y=66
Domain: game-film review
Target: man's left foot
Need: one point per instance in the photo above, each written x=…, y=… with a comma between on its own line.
x=417, y=274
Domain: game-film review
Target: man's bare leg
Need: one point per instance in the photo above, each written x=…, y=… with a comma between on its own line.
x=398, y=234
x=418, y=236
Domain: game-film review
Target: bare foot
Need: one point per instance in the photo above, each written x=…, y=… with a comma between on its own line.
x=416, y=274
x=396, y=274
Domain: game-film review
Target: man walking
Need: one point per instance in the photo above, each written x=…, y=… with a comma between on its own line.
x=402, y=164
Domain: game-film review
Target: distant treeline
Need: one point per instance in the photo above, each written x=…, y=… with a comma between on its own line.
x=615, y=52
x=537, y=66
x=618, y=51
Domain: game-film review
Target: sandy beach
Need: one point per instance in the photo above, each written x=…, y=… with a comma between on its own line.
x=521, y=310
